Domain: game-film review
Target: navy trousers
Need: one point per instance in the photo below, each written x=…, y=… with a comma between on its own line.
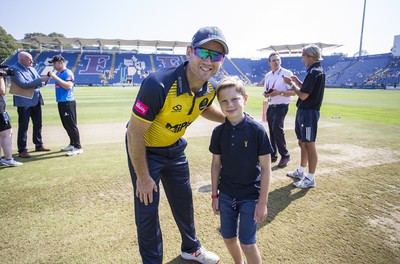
x=170, y=165
x=24, y=114
x=276, y=120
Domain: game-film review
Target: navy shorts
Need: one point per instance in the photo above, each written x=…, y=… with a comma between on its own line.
x=237, y=216
x=306, y=124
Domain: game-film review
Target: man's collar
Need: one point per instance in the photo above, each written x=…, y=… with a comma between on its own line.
x=182, y=81
x=23, y=66
x=240, y=125
x=315, y=64
x=277, y=70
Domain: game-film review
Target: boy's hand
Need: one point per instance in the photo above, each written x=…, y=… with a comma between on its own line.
x=260, y=213
x=215, y=205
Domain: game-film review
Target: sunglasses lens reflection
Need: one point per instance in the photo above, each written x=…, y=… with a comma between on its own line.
x=205, y=53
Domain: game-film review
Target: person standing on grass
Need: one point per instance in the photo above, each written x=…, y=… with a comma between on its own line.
x=26, y=77
x=310, y=93
x=5, y=130
x=64, y=86
x=279, y=95
x=168, y=101
x=240, y=172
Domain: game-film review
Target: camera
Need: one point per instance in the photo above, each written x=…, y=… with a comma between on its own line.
x=269, y=91
x=6, y=71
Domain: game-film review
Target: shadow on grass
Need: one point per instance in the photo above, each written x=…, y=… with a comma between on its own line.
x=279, y=199
x=205, y=188
x=35, y=156
x=274, y=168
x=180, y=260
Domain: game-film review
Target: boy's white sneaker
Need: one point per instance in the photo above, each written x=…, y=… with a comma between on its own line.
x=305, y=183
x=296, y=175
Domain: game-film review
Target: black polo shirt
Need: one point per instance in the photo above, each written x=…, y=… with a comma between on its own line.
x=314, y=85
x=239, y=147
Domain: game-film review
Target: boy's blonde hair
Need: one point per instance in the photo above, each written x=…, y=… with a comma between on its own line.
x=231, y=81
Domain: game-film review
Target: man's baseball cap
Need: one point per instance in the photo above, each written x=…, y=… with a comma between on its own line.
x=206, y=34
x=57, y=58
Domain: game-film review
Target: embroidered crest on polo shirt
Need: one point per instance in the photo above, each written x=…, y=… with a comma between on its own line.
x=141, y=107
x=203, y=104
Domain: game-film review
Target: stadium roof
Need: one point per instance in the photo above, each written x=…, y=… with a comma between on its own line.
x=296, y=48
x=40, y=41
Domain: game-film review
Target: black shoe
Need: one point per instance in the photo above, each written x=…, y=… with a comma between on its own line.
x=283, y=162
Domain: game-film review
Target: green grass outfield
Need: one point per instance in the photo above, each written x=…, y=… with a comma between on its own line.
x=57, y=209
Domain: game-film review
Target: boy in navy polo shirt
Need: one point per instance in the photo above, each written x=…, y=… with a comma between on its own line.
x=240, y=172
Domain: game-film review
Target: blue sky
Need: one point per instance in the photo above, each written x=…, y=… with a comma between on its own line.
x=247, y=25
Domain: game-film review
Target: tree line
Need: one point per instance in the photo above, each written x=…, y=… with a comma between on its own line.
x=8, y=44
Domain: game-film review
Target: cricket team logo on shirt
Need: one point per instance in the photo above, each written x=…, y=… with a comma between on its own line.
x=203, y=104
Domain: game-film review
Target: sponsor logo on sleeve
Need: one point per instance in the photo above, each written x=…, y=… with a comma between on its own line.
x=141, y=108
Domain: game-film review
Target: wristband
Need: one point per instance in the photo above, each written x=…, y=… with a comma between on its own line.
x=214, y=196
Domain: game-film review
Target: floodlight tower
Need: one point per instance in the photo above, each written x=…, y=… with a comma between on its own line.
x=362, y=30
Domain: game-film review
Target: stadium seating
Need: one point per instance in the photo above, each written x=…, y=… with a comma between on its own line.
x=129, y=68
x=359, y=70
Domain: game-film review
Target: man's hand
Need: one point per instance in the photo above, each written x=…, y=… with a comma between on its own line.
x=45, y=79
x=144, y=190
x=268, y=93
x=287, y=80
